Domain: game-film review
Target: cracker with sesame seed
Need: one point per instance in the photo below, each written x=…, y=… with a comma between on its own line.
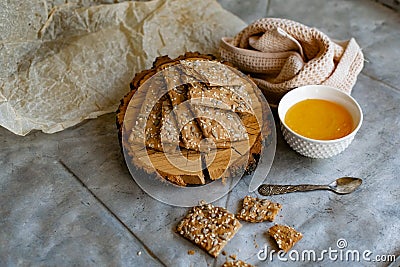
x=176, y=85
x=219, y=125
x=153, y=126
x=285, y=236
x=191, y=134
x=209, y=227
x=152, y=123
x=237, y=263
x=177, y=129
x=222, y=97
x=215, y=108
x=258, y=210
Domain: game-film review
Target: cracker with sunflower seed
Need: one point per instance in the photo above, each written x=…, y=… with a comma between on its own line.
x=285, y=236
x=209, y=227
x=258, y=210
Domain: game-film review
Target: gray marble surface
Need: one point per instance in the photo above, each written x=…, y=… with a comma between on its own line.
x=68, y=199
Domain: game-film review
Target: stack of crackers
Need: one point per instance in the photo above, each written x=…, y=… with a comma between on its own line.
x=195, y=110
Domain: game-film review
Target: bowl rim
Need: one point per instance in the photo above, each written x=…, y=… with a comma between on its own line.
x=321, y=87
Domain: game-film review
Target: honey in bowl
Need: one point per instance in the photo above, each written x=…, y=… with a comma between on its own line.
x=319, y=119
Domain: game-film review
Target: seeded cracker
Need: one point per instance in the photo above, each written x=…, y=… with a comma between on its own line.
x=209, y=227
x=222, y=126
x=191, y=132
x=258, y=210
x=237, y=263
x=285, y=236
x=220, y=97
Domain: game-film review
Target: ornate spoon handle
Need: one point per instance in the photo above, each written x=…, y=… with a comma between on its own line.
x=270, y=189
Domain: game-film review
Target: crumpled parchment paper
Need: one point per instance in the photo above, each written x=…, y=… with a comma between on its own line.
x=64, y=63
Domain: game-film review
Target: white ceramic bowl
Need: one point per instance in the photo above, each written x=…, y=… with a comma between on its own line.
x=318, y=148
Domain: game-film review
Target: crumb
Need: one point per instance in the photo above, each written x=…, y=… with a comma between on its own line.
x=255, y=243
x=236, y=263
x=191, y=252
x=139, y=253
x=223, y=252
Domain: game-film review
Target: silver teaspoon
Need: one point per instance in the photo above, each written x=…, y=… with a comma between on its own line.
x=344, y=185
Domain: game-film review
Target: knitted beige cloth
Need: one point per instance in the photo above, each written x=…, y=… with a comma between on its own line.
x=281, y=54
